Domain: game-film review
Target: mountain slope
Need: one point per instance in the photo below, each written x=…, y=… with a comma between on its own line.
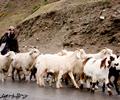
x=14, y=11
x=89, y=24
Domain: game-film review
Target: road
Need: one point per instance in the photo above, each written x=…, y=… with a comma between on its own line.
x=30, y=91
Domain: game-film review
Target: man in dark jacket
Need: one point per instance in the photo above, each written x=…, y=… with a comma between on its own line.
x=9, y=40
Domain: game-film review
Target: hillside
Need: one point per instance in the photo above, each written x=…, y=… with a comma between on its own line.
x=14, y=11
x=88, y=24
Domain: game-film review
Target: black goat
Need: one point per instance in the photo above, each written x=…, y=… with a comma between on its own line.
x=113, y=72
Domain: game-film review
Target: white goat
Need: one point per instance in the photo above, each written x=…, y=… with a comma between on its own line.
x=102, y=54
x=98, y=69
x=78, y=67
x=24, y=61
x=59, y=64
x=5, y=61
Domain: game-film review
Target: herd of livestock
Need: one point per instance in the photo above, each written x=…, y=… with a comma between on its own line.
x=80, y=67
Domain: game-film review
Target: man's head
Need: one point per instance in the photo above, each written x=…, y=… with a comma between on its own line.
x=11, y=29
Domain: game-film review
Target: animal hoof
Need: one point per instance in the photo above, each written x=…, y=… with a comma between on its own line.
x=61, y=86
x=88, y=89
x=93, y=91
x=77, y=87
x=9, y=75
x=110, y=93
x=57, y=87
x=3, y=80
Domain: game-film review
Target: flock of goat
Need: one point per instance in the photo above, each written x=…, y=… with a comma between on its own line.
x=88, y=68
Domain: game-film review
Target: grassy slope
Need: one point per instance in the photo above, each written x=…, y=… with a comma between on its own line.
x=14, y=11
x=58, y=5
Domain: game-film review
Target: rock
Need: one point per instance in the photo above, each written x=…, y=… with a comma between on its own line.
x=102, y=17
x=119, y=43
x=104, y=9
x=37, y=39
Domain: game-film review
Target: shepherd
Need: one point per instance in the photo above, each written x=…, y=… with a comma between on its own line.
x=9, y=42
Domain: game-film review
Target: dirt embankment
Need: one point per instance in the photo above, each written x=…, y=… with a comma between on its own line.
x=88, y=25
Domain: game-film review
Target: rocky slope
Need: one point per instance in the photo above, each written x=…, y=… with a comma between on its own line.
x=88, y=24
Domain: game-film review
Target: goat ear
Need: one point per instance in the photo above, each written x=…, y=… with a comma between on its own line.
x=78, y=55
x=104, y=51
x=118, y=56
x=82, y=51
x=112, y=58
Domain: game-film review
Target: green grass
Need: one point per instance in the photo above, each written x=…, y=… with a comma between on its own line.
x=35, y=8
